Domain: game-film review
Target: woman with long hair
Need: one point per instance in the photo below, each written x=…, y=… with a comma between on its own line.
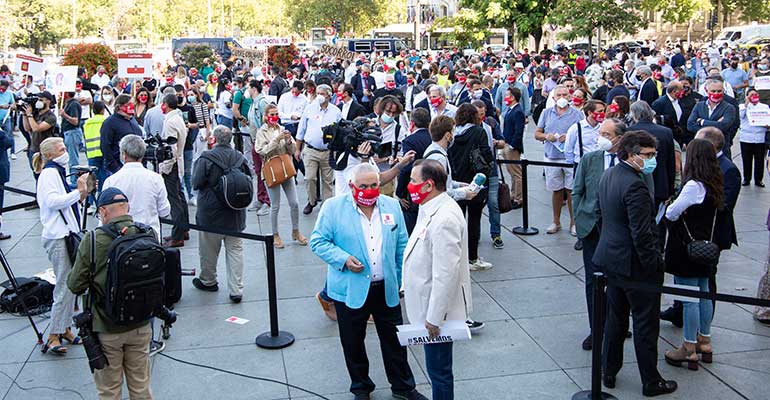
x=619, y=108
x=142, y=103
x=580, y=83
x=696, y=213
x=273, y=140
x=59, y=216
x=181, y=78
x=107, y=96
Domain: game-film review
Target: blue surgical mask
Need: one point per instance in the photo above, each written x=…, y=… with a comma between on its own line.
x=191, y=99
x=649, y=165
x=387, y=119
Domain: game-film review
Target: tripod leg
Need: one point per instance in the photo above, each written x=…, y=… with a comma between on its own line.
x=12, y=278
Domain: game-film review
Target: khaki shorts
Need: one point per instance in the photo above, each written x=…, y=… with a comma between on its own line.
x=558, y=178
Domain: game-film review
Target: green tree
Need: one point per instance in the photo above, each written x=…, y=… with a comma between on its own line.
x=469, y=29
x=679, y=11
x=91, y=55
x=194, y=54
x=354, y=15
x=579, y=18
x=35, y=25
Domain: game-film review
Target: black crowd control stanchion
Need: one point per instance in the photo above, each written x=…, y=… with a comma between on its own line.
x=597, y=337
x=275, y=339
x=525, y=229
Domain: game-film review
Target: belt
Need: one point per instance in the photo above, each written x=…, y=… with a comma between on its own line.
x=377, y=283
x=311, y=147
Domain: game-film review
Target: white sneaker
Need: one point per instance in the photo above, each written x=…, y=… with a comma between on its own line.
x=263, y=210
x=13, y=156
x=480, y=265
x=553, y=228
x=573, y=230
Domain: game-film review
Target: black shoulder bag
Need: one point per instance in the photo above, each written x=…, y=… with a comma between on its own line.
x=704, y=252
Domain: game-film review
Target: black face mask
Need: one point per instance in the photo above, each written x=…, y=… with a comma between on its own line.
x=179, y=100
x=639, y=77
x=734, y=65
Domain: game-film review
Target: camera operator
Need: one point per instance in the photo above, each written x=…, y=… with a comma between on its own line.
x=144, y=188
x=70, y=128
x=39, y=121
x=114, y=128
x=172, y=169
x=125, y=346
x=59, y=216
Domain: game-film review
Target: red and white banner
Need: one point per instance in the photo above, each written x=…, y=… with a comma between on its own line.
x=29, y=65
x=134, y=65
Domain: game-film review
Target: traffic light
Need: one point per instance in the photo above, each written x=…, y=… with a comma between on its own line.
x=101, y=32
x=336, y=25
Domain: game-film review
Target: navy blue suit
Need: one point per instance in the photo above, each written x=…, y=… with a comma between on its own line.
x=513, y=128
x=724, y=117
x=358, y=89
x=418, y=141
x=725, y=235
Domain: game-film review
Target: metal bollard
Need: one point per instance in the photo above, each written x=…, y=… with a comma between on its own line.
x=526, y=229
x=275, y=339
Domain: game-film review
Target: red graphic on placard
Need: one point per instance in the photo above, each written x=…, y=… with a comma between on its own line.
x=24, y=66
x=135, y=70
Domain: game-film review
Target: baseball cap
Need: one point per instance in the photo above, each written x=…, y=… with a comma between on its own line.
x=111, y=195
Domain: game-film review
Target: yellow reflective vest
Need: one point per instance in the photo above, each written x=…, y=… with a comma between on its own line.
x=91, y=131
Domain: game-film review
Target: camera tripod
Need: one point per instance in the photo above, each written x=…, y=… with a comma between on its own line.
x=12, y=278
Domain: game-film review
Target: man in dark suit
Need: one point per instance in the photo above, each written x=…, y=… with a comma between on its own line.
x=715, y=111
x=665, y=172
x=618, y=88
x=649, y=89
x=688, y=101
x=349, y=106
x=725, y=236
x=477, y=92
x=628, y=250
x=364, y=87
x=389, y=90
x=514, y=122
x=584, y=197
x=278, y=86
x=670, y=112
x=418, y=140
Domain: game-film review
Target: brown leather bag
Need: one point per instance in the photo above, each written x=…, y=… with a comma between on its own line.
x=278, y=169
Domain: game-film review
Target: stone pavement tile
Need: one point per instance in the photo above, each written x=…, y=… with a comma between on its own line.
x=691, y=384
x=739, y=318
x=746, y=372
x=378, y=394
x=722, y=340
x=533, y=386
x=564, y=347
x=27, y=266
x=738, y=285
x=502, y=348
x=171, y=379
x=319, y=365
x=539, y=297
x=70, y=374
x=516, y=264
x=485, y=308
x=565, y=256
x=18, y=339
x=5, y=381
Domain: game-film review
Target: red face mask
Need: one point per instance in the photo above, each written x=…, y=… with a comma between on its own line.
x=229, y=87
x=614, y=108
x=123, y=85
x=599, y=117
x=416, y=193
x=390, y=85
x=273, y=119
x=511, y=79
x=78, y=87
x=461, y=79
x=656, y=75
x=169, y=79
x=2, y=90
x=340, y=95
x=680, y=94
x=211, y=142
x=129, y=109
x=364, y=197
x=435, y=102
x=365, y=74
x=716, y=97
x=142, y=98
x=577, y=101
x=753, y=99
x=508, y=100
x=289, y=76
x=410, y=81
x=214, y=80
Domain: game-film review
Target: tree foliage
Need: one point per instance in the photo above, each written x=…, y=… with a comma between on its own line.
x=193, y=54
x=282, y=56
x=90, y=56
x=468, y=28
x=357, y=16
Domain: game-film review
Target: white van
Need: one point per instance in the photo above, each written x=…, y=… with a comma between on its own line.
x=732, y=34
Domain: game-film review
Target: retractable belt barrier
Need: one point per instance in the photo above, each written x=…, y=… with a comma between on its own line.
x=20, y=205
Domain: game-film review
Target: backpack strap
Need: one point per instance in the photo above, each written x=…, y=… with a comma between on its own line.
x=580, y=137
x=92, y=271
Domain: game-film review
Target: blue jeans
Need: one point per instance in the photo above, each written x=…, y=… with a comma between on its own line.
x=492, y=206
x=7, y=127
x=101, y=175
x=228, y=122
x=697, y=314
x=188, y=156
x=73, y=138
x=438, y=362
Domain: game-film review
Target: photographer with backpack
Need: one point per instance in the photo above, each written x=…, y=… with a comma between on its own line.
x=225, y=189
x=124, y=344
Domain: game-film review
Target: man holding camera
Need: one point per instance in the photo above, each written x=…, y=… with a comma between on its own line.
x=39, y=121
x=126, y=347
x=172, y=169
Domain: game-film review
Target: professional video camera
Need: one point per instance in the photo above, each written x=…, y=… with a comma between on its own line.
x=347, y=136
x=159, y=149
x=91, y=182
x=28, y=101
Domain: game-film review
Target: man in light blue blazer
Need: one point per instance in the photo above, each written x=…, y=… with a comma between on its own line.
x=362, y=237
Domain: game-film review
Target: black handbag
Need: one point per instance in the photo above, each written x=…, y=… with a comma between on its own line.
x=704, y=252
x=504, y=203
x=72, y=240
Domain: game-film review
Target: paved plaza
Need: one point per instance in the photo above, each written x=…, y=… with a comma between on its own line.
x=532, y=302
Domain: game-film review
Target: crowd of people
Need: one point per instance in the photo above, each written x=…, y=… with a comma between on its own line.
x=644, y=140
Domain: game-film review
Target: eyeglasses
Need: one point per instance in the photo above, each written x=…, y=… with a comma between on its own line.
x=648, y=155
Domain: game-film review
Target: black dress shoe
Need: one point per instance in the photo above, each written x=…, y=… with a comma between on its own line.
x=516, y=205
x=660, y=387
x=308, y=209
x=362, y=397
x=745, y=183
x=413, y=395
x=588, y=343
x=673, y=315
x=609, y=381
x=760, y=184
x=4, y=236
x=236, y=298
x=206, y=288
x=578, y=245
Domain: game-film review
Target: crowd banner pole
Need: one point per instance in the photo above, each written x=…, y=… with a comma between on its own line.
x=525, y=229
x=275, y=339
x=597, y=337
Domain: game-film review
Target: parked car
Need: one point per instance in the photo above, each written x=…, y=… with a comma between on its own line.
x=755, y=45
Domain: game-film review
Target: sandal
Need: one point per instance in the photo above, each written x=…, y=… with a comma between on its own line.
x=55, y=346
x=70, y=337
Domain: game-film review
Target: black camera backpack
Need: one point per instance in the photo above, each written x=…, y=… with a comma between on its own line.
x=234, y=189
x=136, y=267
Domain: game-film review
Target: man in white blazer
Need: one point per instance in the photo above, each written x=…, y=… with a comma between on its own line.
x=437, y=283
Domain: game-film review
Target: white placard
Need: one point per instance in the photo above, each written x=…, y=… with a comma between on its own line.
x=29, y=65
x=135, y=65
x=237, y=320
x=266, y=41
x=758, y=117
x=63, y=79
x=762, y=82
x=417, y=334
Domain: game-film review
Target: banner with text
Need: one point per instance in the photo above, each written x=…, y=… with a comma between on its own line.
x=63, y=79
x=135, y=65
x=29, y=65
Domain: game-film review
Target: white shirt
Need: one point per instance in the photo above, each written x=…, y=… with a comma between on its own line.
x=677, y=107
x=100, y=81
x=449, y=111
x=608, y=160
x=222, y=109
x=291, y=105
x=372, y=231
x=692, y=193
x=146, y=192
x=572, y=144
x=85, y=110
x=750, y=133
x=313, y=120
x=379, y=78
x=52, y=197
x=346, y=108
x=350, y=72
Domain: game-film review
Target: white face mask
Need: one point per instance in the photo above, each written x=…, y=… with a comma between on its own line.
x=39, y=105
x=477, y=94
x=603, y=144
x=63, y=159
x=107, y=97
x=562, y=103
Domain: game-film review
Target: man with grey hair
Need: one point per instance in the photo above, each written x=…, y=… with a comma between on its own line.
x=362, y=238
x=437, y=97
x=145, y=189
x=717, y=110
x=311, y=147
x=213, y=212
x=648, y=89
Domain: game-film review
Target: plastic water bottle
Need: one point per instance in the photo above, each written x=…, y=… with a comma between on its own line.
x=477, y=183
